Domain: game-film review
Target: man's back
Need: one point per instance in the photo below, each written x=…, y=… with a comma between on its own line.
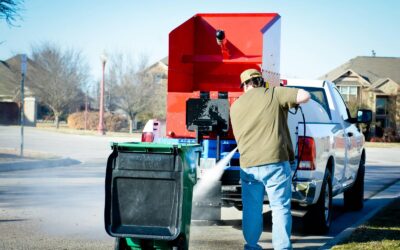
x=259, y=122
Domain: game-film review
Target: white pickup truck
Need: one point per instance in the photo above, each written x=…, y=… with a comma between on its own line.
x=332, y=154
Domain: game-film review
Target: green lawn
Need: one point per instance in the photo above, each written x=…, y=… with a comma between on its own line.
x=380, y=232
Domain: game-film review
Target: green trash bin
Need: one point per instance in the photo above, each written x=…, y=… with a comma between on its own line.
x=148, y=196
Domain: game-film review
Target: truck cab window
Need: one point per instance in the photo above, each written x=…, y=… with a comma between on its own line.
x=318, y=95
x=341, y=105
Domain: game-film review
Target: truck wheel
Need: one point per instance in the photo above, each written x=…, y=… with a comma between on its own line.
x=239, y=206
x=354, y=196
x=120, y=244
x=319, y=216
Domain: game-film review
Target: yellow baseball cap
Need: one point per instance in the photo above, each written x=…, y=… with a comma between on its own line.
x=249, y=74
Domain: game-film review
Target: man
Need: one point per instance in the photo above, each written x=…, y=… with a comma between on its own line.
x=259, y=123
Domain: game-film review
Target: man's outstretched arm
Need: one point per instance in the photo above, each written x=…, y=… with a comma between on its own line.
x=302, y=96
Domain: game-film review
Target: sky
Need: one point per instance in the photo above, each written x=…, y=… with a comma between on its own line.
x=316, y=36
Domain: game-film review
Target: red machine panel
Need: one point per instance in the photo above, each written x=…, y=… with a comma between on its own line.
x=197, y=62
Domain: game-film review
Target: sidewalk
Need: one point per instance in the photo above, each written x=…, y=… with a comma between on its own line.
x=10, y=160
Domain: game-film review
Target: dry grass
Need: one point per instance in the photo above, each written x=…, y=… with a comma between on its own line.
x=112, y=122
x=382, y=144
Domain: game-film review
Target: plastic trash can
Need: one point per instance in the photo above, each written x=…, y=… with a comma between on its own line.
x=148, y=194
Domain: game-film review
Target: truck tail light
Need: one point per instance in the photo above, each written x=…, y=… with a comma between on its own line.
x=147, y=137
x=307, y=153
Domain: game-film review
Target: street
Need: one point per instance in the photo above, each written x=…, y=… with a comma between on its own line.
x=62, y=207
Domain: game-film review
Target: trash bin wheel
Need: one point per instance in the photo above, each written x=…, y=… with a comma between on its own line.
x=120, y=244
x=179, y=243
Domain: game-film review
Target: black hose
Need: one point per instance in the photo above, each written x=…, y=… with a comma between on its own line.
x=297, y=144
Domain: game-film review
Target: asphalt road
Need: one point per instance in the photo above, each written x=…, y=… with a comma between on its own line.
x=62, y=207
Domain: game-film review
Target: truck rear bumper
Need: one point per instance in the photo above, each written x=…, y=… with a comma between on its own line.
x=303, y=191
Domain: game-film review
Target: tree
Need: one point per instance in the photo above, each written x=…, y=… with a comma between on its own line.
x=58, y=78
x=135, y=89
x=156, y=84
x=130, y=87
x=158, y=99
x=132, y=97
x=9, y=10
x=354, y=106
x=117, y=69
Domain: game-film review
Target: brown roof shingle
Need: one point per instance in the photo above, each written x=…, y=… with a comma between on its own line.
x=370, y=68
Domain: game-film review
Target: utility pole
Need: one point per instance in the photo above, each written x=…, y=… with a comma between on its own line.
x=100, y=128
x=23, y=72
x=86, y=109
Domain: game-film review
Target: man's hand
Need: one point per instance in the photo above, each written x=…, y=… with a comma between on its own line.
x=302, y=96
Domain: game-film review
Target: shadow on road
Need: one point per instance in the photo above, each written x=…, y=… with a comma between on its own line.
x=12, y=220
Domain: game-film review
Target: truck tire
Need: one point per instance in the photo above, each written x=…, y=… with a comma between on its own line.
x=239, y=206
x=120, y=244
x=354, y=196
x=319, y=216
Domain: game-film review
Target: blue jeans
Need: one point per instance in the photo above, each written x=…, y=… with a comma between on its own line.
x=275, y=179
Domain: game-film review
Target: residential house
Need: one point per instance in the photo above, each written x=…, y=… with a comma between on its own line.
x=372, y=83
x=10, y=92
x=158, y=71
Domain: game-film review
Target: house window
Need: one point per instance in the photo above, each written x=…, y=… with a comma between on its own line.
x=158, y=78
x=381, y=106
x=348, y=92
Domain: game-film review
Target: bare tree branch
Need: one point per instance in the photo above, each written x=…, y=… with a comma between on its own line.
x=129, y=90
x=134, y=89
x=9, y=10
x=60, y=78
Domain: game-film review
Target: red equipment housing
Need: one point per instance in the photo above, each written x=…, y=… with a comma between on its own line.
x=199, y=62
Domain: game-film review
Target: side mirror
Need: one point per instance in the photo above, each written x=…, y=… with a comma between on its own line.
x=364, y=116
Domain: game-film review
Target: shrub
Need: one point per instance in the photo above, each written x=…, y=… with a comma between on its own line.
x=376, y=139
x=389, y=135
x=113, y=122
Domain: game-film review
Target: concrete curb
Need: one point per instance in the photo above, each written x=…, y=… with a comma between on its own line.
x=37, y=164
x=392, y=192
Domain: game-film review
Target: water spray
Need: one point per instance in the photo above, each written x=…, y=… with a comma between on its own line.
x=211, y=176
